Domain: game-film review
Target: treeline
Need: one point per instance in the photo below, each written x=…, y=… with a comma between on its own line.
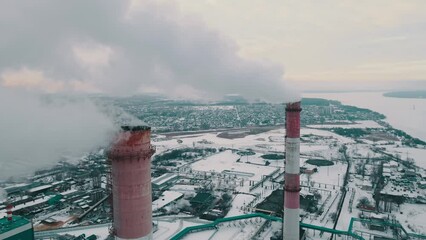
x=406, y=139
x=350, y=132
x=360, y=113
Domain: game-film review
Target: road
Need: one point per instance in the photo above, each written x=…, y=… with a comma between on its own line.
x=343, y=189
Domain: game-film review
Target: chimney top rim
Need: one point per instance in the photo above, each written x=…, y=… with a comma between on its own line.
x=135, y=128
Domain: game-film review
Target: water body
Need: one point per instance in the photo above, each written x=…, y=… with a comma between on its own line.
x=407, y=114
x=406, y=94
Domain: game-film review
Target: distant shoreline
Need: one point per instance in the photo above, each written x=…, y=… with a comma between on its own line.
x=406, y=94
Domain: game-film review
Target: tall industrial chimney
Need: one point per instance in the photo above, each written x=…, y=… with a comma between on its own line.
x=130, y=156
x=292, y=172
x=9, y=212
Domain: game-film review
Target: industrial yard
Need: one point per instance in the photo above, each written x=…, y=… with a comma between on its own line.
x=212, y=120
x=208, y=185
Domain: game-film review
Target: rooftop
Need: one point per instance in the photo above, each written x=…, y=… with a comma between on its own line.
x=166, y=198
x=36, y=189
x=6, y=225
x=201, y=198
x=164, y=178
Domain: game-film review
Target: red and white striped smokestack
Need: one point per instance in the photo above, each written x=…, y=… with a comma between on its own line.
x=130, y=157
x=292, y=172
x=9, y=212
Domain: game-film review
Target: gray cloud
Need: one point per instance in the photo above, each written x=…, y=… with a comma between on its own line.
x=152, y=48
x=79, y=45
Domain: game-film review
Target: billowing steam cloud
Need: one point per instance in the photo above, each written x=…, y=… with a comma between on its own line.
x=114, y=47
x=37, y=133
x=120, y=47
x=3, y=195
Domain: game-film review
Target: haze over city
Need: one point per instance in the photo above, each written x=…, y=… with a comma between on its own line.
x=247, y=117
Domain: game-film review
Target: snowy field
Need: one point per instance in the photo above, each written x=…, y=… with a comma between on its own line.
x=171, y=225
x=238, y=204
x=332, y=175
x=241, y=230
x=357, y=124
x=349, y=210
x=324, y=133
x=227, y=160
x=413, y=217
x=361, y=151
x=419, y=155
x=251, y=141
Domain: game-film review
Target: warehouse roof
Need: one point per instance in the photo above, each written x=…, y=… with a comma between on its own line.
x=6, y=225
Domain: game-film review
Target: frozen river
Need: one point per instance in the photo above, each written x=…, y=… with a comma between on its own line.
x=407, y=114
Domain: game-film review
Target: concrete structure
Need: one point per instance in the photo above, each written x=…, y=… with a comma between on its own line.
x=292, y=172
x=130, y=156
x=9, y=212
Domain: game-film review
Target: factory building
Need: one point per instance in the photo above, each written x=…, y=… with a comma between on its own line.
x=165, y=181
x=15, y=227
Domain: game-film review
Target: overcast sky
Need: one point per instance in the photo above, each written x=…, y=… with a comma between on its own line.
x=127, y=47
x=360, y=40
x=208, y=48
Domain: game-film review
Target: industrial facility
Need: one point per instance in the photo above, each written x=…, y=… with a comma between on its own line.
x=248, y=191
x=130, y=157
x=130, y=182
x=15, y=227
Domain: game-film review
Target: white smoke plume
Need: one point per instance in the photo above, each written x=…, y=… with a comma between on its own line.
x=3, y=195
x=37, y=132
x=112, y=47
x=126, y=47
x=183, y=203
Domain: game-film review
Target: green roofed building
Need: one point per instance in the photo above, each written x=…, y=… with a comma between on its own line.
x=18, y=228
x=202, y=201
x=202, y=198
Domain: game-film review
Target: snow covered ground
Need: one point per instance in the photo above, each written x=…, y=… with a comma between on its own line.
x=227, y=160
x=361, y=151
x=413, y=217
x=402, y=113
x=357, y=124
x=418, y=154
x=332, y=175
x=238, y=204
x=170, y=226
x=324, y=133
x=166, y=198
x=241, y=229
